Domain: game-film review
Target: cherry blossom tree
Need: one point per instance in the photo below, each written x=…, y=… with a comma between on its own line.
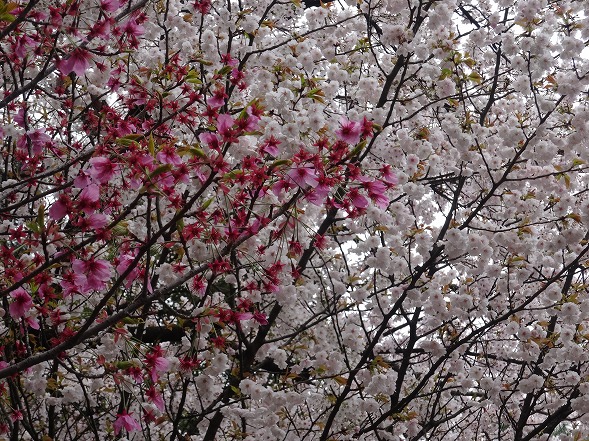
x=284, y=220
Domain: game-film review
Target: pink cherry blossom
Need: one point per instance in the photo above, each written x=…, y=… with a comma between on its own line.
x=20, y=118
x=349, y=132
x=303, y=176
x=282, y=185
x=357, y=199
x=224, y=124
x=388, y=175
x=32, y=322
x=133, y=28
x=156, y=363
x=229, y=60
x=218, y=98
x=78, y=62
x=210, y=139
x=23, y=44
x=126, y=421
x=261, y=318
x=203, y=6
x=21, y=303
x=91, y=274
x=376, y=191
x=110, y=5
x=88, y=198
x=155, y=397
x=38, y=141
x=270, y=146
x=101, y=29
x=83, y=180
x=60, y=208
x=16, y=415
x=96, y=221
x=102, y=169
x=169, y=155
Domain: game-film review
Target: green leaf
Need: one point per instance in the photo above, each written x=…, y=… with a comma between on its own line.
x=470, y=62
x=475, y=77
x=7, y=17
x=160, y=170
x=356, y=151
x=193, y=77
x=236, y=390
x=233, y=174
x=151, y=145
x=193, y=151
x=207, y=204
x=33, y=226
x=445, y=73
x=224, y=70
x=280, y=162
x=316, y=95
x=128, y=140
x=120, y=229
x=41, y=216
x=124, y=364
x=577, y=162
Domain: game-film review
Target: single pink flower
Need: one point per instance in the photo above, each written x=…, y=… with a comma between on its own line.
x=110, y=5
x=96, y=221
x=303, y=176
x=88, y=199
x=23, y=44
x=78, y=62
x=218, y=98
x=32, y=322
x=90, y=193
x=202, y=6
x=270, y=146
x=281, y=185
x=210, y=139
x=82, y=180
x=133, y=28
x=19, y=118
x=156, y=363
x=21, y=303
x=168, y=155
x=376, y=191
x=135, y=373
x=102, y=169
x=155, y=397
x=38, y=140
x=388, y=176
x=101, y=29
x=69, y=285
x=16, y=415
x=349, y=132
x=319, y=193
x=228, y=60
x=125, y=262
x=60, y=208
x=357, y=199
x=91, y=274
x=367, y=128
x=224, y=124
x=261, y=318
x=127, y=422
